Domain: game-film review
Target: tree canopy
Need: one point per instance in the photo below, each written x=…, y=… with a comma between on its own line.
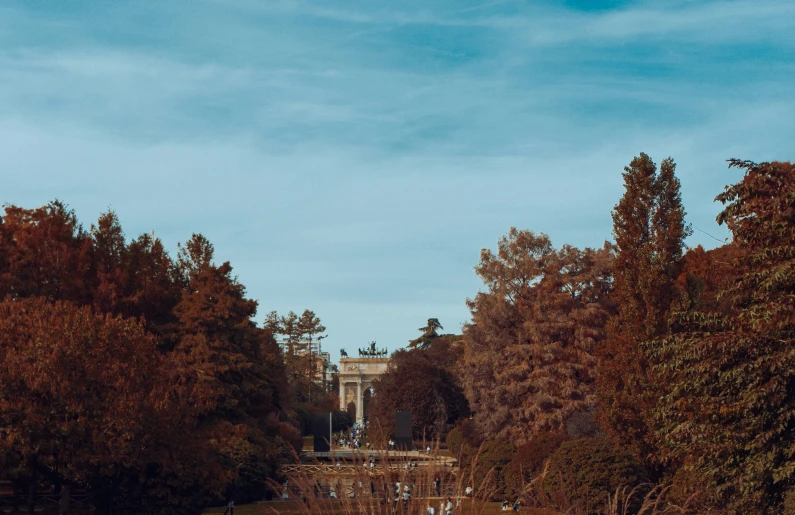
x=528, y=359
x=122, y=366
x=730, y=412
x=424, y=382
x=649, y=230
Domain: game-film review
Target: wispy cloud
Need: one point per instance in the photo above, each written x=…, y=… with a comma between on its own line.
x=354, y=158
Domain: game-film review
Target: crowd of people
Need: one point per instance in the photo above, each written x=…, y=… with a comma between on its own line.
x=354, y=438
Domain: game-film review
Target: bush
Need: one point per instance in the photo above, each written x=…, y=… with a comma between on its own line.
x=529, y=461
x=489, y=469
x=691, y=489
x=455, y=439
x=586, y=471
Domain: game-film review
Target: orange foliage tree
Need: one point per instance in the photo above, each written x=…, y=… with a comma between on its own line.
x=226, y=376
x=649, y=230
x=87, y=397
x=528, y=359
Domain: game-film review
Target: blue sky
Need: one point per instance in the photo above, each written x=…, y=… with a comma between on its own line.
x=353, y=157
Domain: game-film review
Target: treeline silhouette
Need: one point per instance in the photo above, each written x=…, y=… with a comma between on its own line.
x=140, y=378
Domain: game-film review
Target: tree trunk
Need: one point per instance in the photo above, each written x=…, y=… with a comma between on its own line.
x=15, y=500
x=63, y=506
x=32, y=494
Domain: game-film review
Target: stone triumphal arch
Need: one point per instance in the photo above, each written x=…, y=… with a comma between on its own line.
x=356, y=377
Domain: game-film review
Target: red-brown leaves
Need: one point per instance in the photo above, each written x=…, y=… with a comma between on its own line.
x=83, y=391
x=648, y=224
x=528, y=353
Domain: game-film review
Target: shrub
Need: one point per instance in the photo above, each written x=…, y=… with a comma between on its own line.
x=691, y=490
x=529, y=461
x=489, y=469
x=588, y=470
x=455, y=439
x=463, y=441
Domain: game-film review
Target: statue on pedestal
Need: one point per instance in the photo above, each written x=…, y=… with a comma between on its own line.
x=372, y=352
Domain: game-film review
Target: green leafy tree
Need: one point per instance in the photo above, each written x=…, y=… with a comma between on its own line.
x=729, y=413
x=429, y=332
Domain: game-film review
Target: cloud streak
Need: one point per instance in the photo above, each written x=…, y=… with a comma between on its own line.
x=355, y=160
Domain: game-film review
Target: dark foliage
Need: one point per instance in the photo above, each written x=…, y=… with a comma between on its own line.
x=591, y=469
x=104, y=311
x=421, y=381
x=529, y=460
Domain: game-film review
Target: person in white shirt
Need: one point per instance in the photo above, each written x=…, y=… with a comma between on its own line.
x=468, y=491
x=448, y=508
x=431, y=510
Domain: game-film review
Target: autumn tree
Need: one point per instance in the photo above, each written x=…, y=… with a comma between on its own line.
x=109, y=259
x=46, y=253
x=227, y=375
x=152, y=288
x=217, y=332
x=87, y=398
x=703, y=274
x=528, y=360
x=649, y=230
x=419, y=381
x=729, y=413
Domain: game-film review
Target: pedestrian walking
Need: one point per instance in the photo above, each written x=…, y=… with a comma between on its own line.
x=230, y=508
